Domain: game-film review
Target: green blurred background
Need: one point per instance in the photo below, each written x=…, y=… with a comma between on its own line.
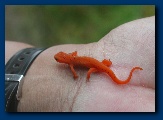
x=48, y=25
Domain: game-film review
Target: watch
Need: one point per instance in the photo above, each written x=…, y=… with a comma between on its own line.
x=15, y=70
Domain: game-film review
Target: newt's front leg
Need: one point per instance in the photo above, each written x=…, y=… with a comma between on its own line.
x=73, y=71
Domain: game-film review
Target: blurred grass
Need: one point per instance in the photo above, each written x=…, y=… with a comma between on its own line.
x=49, y=25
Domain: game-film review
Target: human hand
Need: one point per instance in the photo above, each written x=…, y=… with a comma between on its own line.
x=49, y=86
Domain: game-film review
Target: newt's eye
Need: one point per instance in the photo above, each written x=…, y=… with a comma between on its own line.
x=56, y=59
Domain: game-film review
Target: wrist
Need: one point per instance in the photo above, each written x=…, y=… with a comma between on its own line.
x=15, y=70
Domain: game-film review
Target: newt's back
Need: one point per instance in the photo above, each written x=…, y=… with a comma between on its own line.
x=85, y=62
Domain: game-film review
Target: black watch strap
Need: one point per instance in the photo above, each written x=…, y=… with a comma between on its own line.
x=15, y=70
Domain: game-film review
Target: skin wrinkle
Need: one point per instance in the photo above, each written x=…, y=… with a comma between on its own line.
x=51, y=87
x=76, y=95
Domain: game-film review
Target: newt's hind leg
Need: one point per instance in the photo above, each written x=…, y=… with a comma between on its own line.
x=91, y=70
x=107, y=62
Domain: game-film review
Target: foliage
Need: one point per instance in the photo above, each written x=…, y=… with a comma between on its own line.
x=50, y=25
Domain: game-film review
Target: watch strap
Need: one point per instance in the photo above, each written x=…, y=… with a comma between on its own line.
x=15, y=69
x=21, y=61
x=10, y=93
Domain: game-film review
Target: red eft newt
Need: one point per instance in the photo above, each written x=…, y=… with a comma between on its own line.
x=73, y=60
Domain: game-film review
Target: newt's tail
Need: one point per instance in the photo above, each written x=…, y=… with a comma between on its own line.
x=129, y=77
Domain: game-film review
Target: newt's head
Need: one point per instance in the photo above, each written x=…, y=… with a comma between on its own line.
x=62, y=57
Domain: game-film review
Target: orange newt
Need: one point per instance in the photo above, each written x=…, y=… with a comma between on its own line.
x=73, y=60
